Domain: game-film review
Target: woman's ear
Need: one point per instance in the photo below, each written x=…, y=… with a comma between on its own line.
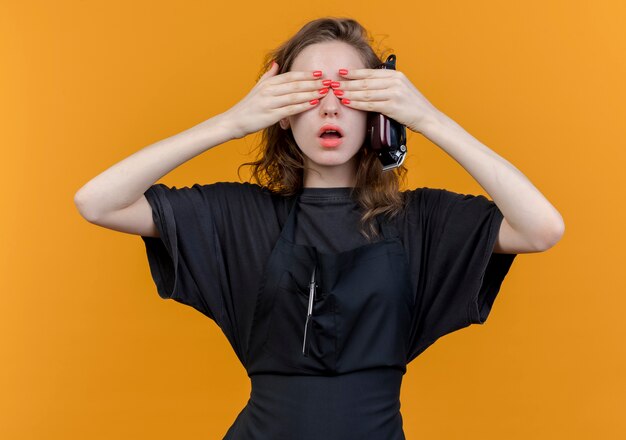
x=284, y=123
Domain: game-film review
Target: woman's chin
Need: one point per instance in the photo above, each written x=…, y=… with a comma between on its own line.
x=330, y=159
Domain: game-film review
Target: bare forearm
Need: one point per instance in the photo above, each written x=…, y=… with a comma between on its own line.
x=521, y=203
x=125, y=182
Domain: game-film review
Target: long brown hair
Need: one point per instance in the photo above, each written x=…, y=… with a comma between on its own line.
x=280, y=162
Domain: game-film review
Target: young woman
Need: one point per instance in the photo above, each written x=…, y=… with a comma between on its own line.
x=326, y=279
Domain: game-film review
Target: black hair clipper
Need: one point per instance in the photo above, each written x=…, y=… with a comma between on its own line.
x=384, y=135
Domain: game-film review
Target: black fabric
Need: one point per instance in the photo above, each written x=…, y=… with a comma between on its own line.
x=215, y=240
x=343, y=318
x=227, y=250
x=363, y=404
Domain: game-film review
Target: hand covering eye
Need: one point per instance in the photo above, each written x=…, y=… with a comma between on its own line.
x=385, y=136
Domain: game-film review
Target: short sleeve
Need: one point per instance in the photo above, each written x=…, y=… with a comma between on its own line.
x=457, y=275
x=214, y=240
x=187, y=242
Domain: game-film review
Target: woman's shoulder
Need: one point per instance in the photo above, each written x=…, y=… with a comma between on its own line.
x=424, y=191
x=247, y=197
x=415, y=196
x=430, y=195
x=233, y=190
x=230, y=196
x=231, y=186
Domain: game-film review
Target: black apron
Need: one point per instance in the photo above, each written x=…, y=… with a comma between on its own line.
x=339, y=379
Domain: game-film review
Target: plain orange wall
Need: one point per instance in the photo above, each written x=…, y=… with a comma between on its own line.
x=90, y=351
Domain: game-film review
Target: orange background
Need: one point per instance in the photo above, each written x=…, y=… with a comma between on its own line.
x=90, y=351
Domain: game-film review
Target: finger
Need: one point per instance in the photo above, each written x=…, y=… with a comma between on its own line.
x=366, y=73
x=294, y=109
x=297, y=98
x=272, y=71
x=294, y=75
x=298, y=86
x=367, y=106
x=364, y=95
x=364, y=84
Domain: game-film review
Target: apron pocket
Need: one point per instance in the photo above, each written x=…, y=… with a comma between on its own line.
x=287, y=319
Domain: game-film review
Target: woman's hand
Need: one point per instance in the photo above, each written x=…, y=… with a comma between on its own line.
x=389, y=92
x=275, y=97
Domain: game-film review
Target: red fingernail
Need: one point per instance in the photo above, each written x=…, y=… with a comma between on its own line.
x=317, y=73
x=345, y=101
x=314, y=101
x=343, y=71
x=338, y=92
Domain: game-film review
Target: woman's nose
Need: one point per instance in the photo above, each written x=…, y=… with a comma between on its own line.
x=330, y=102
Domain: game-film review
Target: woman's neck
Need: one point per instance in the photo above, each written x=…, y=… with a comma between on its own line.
x=339, y=176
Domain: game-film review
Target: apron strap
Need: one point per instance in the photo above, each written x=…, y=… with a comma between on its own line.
x=390, y=232
x=290, y=202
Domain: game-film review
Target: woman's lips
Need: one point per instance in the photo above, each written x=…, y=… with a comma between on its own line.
x=330, y=142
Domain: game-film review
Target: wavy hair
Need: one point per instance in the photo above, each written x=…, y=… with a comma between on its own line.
x=280, y=162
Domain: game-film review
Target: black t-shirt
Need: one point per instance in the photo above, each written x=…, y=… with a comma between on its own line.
x=215, y=240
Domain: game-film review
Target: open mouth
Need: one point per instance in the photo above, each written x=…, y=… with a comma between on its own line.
x=331, y=134
x=330, y=140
